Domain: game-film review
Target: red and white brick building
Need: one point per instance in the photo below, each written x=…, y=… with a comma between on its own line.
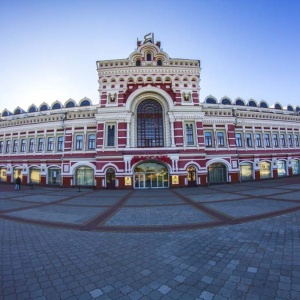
x=149, y=130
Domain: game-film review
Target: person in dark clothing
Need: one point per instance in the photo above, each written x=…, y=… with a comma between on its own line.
x=18, y=184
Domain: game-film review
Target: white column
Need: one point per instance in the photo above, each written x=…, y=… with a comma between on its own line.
x=128, y=135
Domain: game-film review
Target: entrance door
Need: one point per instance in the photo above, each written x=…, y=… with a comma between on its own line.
x=217, y=173
x=151, y=175
x=110, y=179
x=191, y=176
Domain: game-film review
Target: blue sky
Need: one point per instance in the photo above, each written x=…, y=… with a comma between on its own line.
x=49, y=49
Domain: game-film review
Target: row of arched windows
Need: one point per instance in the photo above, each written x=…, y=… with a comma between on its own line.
x=44, y=107
x=251, y=103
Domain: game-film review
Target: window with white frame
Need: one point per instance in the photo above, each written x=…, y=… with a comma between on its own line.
x=249, y=140
x=208, y=139
x=290, y=140
x=1, y=146
x=40, y=144
x=189, y=134
x=267, y=140
x=60, y=143
x=282, y=140
x=238, y=140
x=8, y=144
x=91, y=141
x=31, y=145
x=50, y=143
x=79, y=142
x=15, y=146
x=23, y=145
x=258, y=140
x=220, y=139
x=296, y=139
x=275, y=140
x=111, y=135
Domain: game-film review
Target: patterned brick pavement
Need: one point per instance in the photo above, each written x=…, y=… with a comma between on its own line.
x=65, y=244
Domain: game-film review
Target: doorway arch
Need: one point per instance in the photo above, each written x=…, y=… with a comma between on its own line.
x=84, y=176
x=110, y=178
x=151, y=174
x=217, y=173
x=191, y=176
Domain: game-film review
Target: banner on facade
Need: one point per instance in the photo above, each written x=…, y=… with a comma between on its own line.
x=127, y=180
x=175, y=179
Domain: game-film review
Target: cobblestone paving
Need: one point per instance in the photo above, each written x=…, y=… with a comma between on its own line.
x=144, y=216
x=234, y=257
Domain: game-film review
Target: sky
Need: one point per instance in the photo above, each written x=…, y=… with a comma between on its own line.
x=248, y=49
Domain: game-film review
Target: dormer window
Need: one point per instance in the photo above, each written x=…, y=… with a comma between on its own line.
x=159, y=62
x=149, y=58
x=138, y=63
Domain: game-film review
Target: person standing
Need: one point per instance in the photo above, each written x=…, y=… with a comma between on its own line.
x=18, y=184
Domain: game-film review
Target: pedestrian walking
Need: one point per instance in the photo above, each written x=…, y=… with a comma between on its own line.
x=18, y=184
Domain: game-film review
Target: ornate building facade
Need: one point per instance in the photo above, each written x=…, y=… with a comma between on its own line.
x=149, y=130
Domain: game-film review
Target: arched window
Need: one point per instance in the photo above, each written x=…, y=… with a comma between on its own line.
x=32, y=109
x=252, y=103
x=211, y=101
x=226, y=101
x=85, y=103
x=70, y=104
x=263, y=104
x=44, y=107
x=240, y=102
x=149, y=58
x=56, y=106
x=159, y=62
x=149, y=124
x=138, y=63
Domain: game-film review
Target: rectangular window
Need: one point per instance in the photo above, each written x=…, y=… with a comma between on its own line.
x=208, y=139
x=92, y=141
x=15, y=146
x=290, y=140
x=221, y=140
x=258, y=140
x=249, y=139
x=23, y=145
x=275, y=140
x=189, y=133
x=238, y=139
x=110, y=135
x=50, y=144
x=31, y=145
x=282, y=140
x=40, y=144
x=1, y=146
x=60, y=143
x=295, y=138
x=8, y=143
x=267, y=140
x=79, y=142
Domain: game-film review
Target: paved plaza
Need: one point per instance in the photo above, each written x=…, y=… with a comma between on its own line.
x=231, y=241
